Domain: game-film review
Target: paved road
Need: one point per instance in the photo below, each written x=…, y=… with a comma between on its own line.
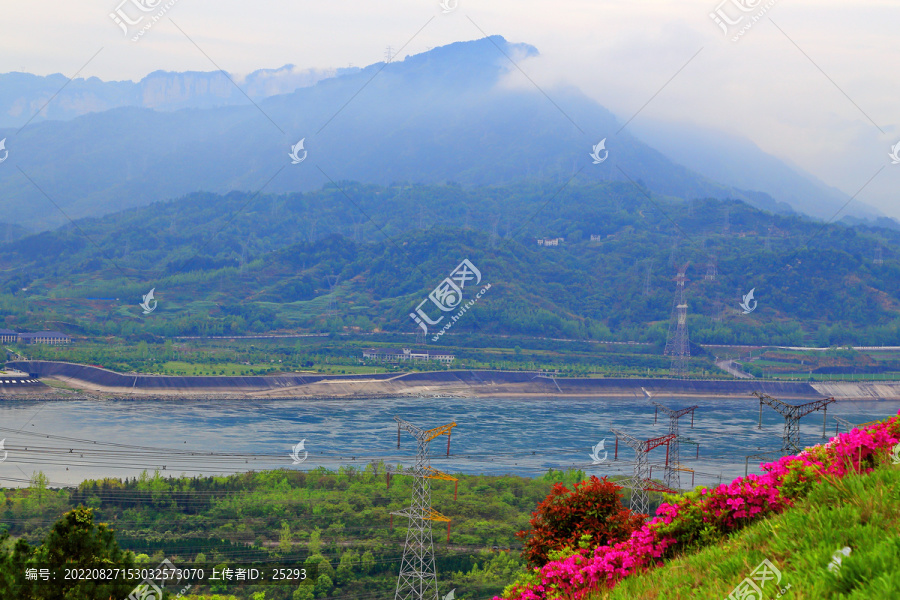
x=728, y=365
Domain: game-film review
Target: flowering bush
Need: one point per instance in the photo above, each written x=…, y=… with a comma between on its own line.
x=592, y=509
x=699, y=518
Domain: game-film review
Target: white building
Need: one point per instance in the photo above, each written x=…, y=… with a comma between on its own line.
x=402, y=354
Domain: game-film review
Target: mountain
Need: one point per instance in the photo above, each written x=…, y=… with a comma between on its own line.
x=740, y=163
x=27, y=98
x=362, y=257
x=444, y=115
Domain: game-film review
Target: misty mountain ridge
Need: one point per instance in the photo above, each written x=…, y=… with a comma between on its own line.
x=442, y=115
x=22, y=95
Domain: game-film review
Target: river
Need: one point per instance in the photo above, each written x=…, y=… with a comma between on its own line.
x=76, y=440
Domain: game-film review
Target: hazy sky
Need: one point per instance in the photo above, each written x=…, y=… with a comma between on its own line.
x=822, y=92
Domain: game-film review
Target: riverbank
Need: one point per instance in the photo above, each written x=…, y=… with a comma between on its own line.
x=69, y=379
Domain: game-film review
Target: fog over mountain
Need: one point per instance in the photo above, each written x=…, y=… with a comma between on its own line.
x=448, y=114
x=24, y=96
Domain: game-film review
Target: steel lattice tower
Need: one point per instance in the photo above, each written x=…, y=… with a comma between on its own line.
x=850, y=426
x=677, y=343
x=843, y=422
x=712, y=268
x=640, y=484
x=332, y=301
x=792, y=414
x=647, y=278
x=418, y=576
x=673, y=464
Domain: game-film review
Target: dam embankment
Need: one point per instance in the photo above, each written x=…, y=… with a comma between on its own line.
x=96, y=380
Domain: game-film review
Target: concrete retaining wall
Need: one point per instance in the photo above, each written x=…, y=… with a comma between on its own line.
x=457, y=383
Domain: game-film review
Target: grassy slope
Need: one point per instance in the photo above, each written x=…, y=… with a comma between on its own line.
x=862, y=512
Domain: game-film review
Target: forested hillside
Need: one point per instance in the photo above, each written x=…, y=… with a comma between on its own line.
x=336, y=522
x=353, y=257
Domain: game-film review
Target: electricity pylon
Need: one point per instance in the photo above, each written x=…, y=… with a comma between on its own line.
x=792, y=414
x=677, y=343
x=640, y=484
x=849, y=425
x=418, y=576
x=332, y=301
x=673, y=466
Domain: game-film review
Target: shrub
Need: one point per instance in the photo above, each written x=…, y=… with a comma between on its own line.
x=592, y=509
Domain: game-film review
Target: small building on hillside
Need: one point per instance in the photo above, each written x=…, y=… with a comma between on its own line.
x=550, y=241
x=43, y=337
x=8, y=336
x=403, y=354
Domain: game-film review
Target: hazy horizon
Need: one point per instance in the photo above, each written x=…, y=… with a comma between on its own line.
x=807, y=82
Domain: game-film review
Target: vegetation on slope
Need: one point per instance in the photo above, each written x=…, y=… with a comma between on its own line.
x=706, y=517
x=241, y=264
x=339, y=521
x=860, y=512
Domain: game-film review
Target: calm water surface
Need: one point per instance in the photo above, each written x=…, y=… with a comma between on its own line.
x=73, y=441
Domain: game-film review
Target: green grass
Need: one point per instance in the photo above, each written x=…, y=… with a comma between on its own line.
x=861, y=512
x=192, y=369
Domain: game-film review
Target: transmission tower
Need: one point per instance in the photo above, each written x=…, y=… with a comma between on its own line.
x=332, y=301
x=792, y=414
x=640, y=484
x=388, y=54
x=712, y=268
x=647, y=278
x=678, y=346
x=418, y=576
x=673, y=463
x=848, y=425
x=879, y=256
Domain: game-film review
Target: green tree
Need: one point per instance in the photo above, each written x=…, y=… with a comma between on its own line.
x=304, y=592
x=39, y=483
x=284, y=538
x=368, y=562
x=315, y=541
x=344, y=572
x=74, y=542
x=324, y=584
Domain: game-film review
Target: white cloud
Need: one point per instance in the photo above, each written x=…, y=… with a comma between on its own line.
x=619, y=52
